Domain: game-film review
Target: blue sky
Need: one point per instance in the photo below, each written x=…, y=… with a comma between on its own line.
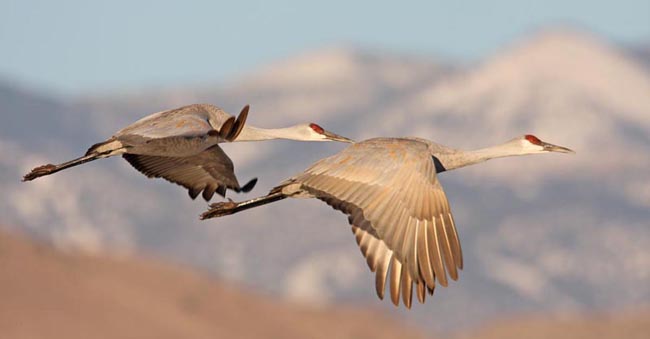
x=76, y=46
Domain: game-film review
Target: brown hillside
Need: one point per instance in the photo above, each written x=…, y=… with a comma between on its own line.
x=631, y=324
x=45, y=293
x=48, y=294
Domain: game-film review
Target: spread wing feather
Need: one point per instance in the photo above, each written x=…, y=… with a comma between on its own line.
x=209, y=171
x=398, y=210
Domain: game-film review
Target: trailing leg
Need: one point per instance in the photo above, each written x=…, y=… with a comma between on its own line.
x=221, y=209
x=97, y=151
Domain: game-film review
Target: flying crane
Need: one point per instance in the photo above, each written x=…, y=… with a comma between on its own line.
x=400, y=216
x=181, y=146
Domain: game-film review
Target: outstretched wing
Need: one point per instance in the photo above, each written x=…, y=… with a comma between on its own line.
x=209, y=171
x=399, y=211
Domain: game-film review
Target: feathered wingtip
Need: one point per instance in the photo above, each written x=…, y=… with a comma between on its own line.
x=232, y=127
x=239, y=124
x=249, y=186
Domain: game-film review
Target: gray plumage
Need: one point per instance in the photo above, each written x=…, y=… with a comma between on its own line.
x=180, y=132
x=395, y=204
x=179, y=145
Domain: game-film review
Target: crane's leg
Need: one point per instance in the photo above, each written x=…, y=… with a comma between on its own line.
x=221, y=209
x=97, y=151
x=50, y=168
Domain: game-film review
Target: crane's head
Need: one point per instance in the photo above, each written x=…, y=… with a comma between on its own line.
x=531, y=144
x=314, y=132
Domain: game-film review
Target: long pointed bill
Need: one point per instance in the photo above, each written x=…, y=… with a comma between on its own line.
x=554, y=148
x=335, y=137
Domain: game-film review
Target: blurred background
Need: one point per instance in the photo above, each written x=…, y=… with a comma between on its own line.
x=555, y=246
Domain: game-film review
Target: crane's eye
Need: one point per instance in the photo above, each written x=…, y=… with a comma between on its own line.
x=533, y=139
x=317, y=128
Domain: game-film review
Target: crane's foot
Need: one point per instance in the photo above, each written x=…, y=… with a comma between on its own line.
x=220, y=209
x=39, y=172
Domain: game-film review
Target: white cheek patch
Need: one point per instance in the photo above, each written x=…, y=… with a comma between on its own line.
x=531, y=148
x=317, y=136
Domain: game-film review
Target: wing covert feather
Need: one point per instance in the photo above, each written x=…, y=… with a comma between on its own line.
x=186, y=121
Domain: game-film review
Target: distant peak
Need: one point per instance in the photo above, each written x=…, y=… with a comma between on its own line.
x=337, y=54
x=562, y=32
x=557, y=50
x=334, y=64
x=552, y=38
x=307, y=66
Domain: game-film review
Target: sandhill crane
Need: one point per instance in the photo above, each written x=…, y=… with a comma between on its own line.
x=395, y=204
x=181, y=146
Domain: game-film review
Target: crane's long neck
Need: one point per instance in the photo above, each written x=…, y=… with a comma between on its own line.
x=250, y=133
x=460, y=158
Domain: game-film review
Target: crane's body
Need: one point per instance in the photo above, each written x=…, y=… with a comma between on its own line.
x=395, y=204
x=181, y=146
x=180, y=132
